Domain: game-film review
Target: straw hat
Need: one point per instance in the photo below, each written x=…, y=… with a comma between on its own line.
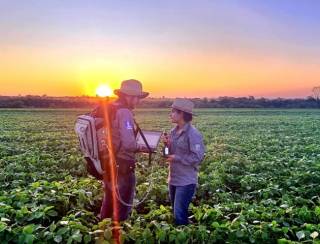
x=132, y=88
x=184, y=105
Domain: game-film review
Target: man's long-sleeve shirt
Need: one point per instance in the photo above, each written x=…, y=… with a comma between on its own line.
x=123, y=134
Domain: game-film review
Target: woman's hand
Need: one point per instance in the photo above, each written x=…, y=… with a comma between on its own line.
x=165, y=139
x=170, y=158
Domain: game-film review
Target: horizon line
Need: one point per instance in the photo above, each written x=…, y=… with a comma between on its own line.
x=161, y=97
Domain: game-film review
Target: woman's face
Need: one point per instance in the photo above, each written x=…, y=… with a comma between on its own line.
x=176, y=116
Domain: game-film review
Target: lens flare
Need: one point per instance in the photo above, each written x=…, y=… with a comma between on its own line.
x=110, y=168
x=104, y=91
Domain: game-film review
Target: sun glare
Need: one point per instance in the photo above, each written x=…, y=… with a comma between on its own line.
x=104, y=91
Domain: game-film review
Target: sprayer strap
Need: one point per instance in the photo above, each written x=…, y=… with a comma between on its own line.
x=145, y=141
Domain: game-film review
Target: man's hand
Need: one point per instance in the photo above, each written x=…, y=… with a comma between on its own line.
x=142, y=149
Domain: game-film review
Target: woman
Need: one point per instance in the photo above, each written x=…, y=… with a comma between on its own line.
x=186, y=151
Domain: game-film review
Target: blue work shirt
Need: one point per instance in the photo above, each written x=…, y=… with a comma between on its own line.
x=189, y=149
x=123, y=134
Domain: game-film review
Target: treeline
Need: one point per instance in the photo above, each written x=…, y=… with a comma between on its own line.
x=46, y=102
x=221, y=102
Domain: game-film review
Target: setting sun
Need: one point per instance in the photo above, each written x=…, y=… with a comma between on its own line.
x=104, y=91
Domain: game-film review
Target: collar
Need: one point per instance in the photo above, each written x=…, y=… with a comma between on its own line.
x=121, y=104
x=185, y=128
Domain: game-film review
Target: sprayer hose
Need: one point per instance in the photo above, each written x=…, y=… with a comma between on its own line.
x=118, y=195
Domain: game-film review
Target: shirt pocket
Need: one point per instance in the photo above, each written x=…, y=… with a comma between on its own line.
x=182, y=145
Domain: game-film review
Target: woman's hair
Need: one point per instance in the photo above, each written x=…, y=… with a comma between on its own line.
x=187, y=117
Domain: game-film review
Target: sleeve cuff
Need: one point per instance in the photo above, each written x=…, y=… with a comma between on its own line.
x=177, y=158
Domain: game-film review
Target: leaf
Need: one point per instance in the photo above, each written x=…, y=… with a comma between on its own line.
x=64, y=222
x=285, y=230
x=286, y=224
x=53, y=227
x=181, y=237
x=77, y=237
x=52, y=213
x=69, y=240
x=314, y=235
x=28, y=229
x=107, y=234
x=172, y=237
x=28, y=239
x=48, y=208
x=86, y=238
x=161, y=235
x=239, y=233
x=63, y=230
x=3, y=226
x=215, y=225
x=58, y=238
x=282, y=241
x=300, y=235
x=37, y=215
x=35, y=184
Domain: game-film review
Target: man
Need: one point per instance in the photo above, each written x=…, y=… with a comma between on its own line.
x=186, y=150
x=125, y=148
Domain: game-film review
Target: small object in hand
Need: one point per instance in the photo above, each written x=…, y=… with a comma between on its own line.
x=166, y=151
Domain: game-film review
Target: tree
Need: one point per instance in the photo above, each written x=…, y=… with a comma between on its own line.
x=316, y=94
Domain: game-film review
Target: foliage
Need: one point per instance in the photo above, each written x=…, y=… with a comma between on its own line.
x=259, y=183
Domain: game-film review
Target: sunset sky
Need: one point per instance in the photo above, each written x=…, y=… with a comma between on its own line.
x=199, y=48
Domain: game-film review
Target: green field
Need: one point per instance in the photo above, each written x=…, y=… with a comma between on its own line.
x=259, y=183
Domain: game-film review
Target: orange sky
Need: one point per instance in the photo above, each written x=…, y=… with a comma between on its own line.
x=61, y=72
x=224, y=50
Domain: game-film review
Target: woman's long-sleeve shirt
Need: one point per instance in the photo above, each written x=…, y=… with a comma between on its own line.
x=189, y=149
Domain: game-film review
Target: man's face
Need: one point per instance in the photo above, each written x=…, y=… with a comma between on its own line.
x=175, y=116
x=133, y=101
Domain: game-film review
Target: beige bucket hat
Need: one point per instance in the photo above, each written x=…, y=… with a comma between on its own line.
x=184, y=105
x=132, y=88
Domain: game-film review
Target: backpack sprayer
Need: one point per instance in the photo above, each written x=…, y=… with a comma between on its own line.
x=95, y=140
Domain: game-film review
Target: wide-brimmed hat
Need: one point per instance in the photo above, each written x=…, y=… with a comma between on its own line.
x=184, y=105
x=132, y=88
